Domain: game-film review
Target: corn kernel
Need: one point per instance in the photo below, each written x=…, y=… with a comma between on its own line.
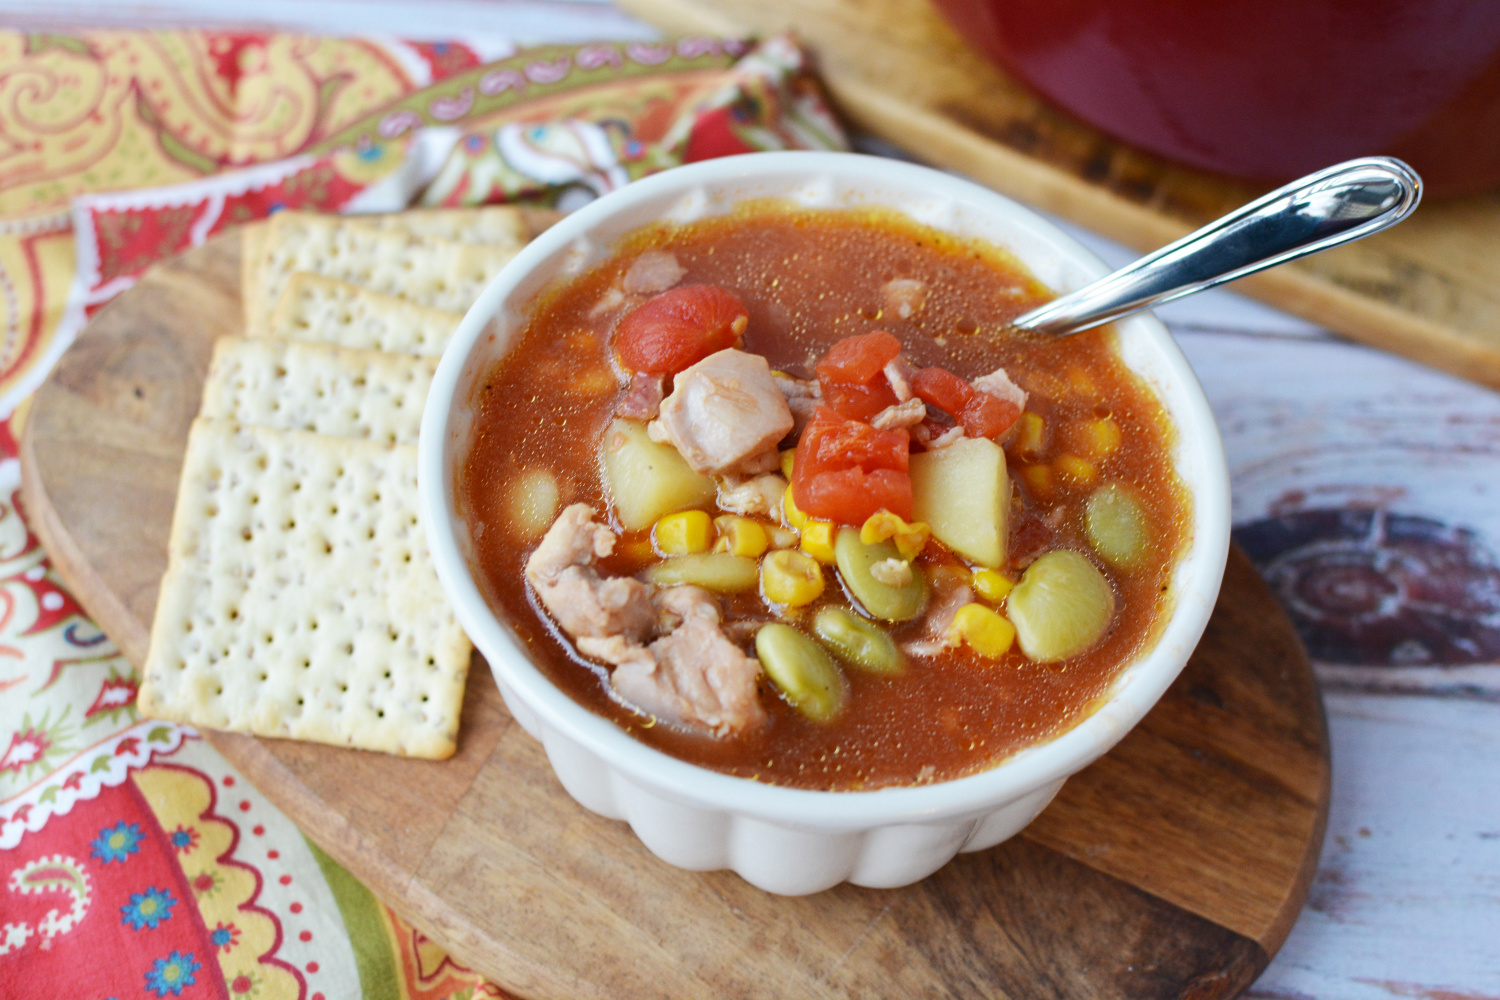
x=687, y=532
x=1077, y=469
x=817, y=540
x=790, y=578
x=1031, y=437
x=782, y=538
x=592, y=383
x=1038, y=479
x=882, y=525
x=992, y=586
x=788, y=459
x=741, y=536
x=985, y=631
x=1099, y=438
x=794, y=517
x=1082, y=382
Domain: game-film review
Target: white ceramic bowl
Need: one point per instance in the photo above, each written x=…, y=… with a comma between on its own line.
x=782, y=839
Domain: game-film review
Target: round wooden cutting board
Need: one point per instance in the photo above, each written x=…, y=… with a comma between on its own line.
x=1173, y=867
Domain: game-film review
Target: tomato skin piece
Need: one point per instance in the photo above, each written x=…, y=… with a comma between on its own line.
x=988, y=416
x=858, y=402
x=679, y=328
x=858, y=359
x=850, y=496
x=831, y=442
x=943, y=389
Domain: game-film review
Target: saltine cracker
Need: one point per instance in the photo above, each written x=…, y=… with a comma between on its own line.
x=426, y=270
x=326, y=310
x=318, y=387
x=300, y=600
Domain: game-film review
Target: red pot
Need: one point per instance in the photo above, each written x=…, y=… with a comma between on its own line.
x=1266, y=89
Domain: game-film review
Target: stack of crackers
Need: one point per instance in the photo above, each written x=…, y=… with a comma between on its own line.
x=299, y=599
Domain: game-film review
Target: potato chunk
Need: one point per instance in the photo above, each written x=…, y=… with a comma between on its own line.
x=532, y=499
x=646, y=480
x=963, y=494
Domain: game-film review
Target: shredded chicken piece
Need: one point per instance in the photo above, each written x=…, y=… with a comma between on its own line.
x=933, y=436
x=902, y=415
x=904, y=296
x=892, y=572
x=653, y=271
x=725, y=414
x=694, y=676
x=674, y=605
x=761, y=495
x=614, y=299
x=899, y=373
x=998, y=384
x=582, y=603
x=802, y=397
x=616, y=650
x=949, y=597
x=643, y=399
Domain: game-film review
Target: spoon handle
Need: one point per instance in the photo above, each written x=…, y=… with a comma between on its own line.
x=1337, y=205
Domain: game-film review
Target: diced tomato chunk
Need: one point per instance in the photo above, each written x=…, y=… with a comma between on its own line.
x=847, y=470
x=832, y=442
x=679, y=328
x=850, y=496
x=859, y=402
x=858, y=359
x=943, y=389
x=988, y=416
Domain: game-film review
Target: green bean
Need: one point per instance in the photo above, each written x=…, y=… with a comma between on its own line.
x=857, y=642
x=893, y=604
x=1116, y=526
x=806, y=674
x=716, y=571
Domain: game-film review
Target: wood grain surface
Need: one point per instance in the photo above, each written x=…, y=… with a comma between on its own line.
x=1174, y=866
x=1428, y=289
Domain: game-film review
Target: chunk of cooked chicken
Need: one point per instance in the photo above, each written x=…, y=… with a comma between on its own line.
x=726, y=415
x=933, y=436
x=803, y=396
x=583, y=604
x=899, y=373
x=998, y=384
x=904, y=296
x=694, y=677
x=761, y=495
x=653, y=271
x=901, y=416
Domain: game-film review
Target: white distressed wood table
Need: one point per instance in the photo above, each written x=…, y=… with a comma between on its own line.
x=1366, y=487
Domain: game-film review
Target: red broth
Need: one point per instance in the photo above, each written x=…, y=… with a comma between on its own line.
x=810, y=278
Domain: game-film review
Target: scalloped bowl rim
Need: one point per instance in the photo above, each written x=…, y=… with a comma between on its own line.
x=1060, y=262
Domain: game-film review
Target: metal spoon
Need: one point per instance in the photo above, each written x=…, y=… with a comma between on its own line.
x=1333, y=206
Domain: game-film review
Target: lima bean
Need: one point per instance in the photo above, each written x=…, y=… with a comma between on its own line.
x=806, y=674
x=857, y=642
x=893, y=604
x=1061, y=607
x=719, y=572
x=1116, y=526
